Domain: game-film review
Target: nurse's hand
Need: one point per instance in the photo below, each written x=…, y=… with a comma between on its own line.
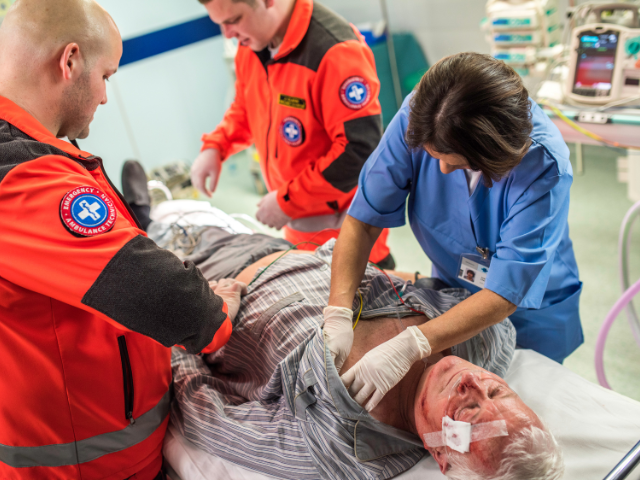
x=338, y=333
x=383, y=367
x=206, y=165
x=270, y=213
x=231, y=291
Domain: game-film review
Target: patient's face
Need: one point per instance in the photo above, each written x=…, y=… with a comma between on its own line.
x=479, y=397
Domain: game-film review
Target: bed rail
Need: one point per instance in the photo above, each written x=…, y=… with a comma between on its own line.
x=626, y=465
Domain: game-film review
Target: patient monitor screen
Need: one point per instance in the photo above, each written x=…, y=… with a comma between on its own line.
x=596, y=59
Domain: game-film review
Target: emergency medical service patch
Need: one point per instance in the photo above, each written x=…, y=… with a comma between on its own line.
x=292, y=131
x=87, y=211
x=355, y=92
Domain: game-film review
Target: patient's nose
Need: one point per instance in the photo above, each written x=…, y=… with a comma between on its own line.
x=468, y=384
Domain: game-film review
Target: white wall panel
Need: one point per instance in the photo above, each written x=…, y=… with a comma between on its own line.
x=137, y=17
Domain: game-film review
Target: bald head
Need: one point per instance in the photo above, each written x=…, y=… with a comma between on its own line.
x=42, y=27
x=49, y=53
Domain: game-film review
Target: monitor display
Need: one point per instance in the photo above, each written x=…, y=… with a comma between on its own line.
x=596, y=60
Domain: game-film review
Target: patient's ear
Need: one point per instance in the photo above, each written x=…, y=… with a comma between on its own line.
x=440, y=455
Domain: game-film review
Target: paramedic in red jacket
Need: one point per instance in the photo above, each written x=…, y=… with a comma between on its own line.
x=307, y=96
x=88, y=304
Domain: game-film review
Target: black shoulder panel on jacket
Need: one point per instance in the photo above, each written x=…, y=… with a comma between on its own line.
x=326, y=29
x=363, y=135
x=150, y=291
x=17, y=147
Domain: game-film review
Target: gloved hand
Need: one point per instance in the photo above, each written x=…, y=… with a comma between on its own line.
x=338, y=333
x=383, y=367
x=231, y=291
x=206, y=165
x=270, y=213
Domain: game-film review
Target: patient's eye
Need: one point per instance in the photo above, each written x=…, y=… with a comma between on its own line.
x=465, y=411
x=494, y=391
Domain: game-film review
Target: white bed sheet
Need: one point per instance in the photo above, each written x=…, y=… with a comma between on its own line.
x=595, y=427
x=196, y=212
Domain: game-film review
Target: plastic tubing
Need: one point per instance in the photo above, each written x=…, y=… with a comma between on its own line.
x=622, y=302
x=624, y=241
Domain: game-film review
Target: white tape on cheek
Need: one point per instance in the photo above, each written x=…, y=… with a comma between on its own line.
x=486, y=430
x=458, y=435
x=455, y=435
x=433, y=439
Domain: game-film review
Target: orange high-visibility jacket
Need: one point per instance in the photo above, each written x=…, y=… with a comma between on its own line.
x=312, y=112
x=88, y=308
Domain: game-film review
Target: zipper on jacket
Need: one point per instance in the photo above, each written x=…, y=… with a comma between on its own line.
x=127, y=377
x=266, y=161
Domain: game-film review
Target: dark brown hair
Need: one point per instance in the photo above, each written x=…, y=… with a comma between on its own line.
x=475, y=106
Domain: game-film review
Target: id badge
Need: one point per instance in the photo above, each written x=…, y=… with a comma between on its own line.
x=474, y=269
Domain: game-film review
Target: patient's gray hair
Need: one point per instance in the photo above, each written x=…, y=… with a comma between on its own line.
x=533, y=455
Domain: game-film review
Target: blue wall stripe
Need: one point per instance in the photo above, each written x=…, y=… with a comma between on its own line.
x=167, y=39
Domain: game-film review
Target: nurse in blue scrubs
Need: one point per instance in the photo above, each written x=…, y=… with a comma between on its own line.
x=486, y=177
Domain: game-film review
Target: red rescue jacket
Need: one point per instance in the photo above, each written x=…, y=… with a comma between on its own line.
x=312, y=112
x=88, y=308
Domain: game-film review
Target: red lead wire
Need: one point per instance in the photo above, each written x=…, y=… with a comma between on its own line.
x=396, y=291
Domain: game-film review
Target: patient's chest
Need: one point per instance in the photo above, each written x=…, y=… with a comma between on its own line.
x=368, y=335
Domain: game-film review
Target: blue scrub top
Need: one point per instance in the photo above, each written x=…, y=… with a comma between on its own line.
x=522, y=220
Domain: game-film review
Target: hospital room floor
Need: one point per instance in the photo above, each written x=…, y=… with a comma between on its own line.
x=598, y=205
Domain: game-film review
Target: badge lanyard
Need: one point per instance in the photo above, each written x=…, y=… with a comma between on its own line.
x=473, y=268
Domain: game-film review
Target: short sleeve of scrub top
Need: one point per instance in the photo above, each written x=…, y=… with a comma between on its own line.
x=385, y=180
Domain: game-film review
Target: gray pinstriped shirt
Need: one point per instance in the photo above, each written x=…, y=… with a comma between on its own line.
x=272, y=401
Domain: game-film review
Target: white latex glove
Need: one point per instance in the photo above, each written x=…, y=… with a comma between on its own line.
x=231, y=291
x=338, y=333
x=270, y=213
x=383, y=367
x=206, y=165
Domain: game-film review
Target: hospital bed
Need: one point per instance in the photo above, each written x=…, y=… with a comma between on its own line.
x=596, y=427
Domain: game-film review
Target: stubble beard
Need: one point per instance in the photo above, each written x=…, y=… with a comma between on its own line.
x=75, y=109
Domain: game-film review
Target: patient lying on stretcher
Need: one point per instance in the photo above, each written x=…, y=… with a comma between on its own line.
x=272, y=401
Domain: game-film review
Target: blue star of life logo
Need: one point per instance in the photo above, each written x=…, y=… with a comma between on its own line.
x=89, y=210
x=356, y=93
x=292, y=131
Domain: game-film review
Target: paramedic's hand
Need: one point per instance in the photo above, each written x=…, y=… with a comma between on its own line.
x=270, y=213
x=383, y=367
x=230, y=290
x=338, y=333
x=206, y=165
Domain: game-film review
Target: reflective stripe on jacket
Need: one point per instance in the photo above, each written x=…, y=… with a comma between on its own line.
x=86, y=316
x=312, y=112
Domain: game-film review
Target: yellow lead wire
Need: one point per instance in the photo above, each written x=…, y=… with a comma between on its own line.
x=360, y=312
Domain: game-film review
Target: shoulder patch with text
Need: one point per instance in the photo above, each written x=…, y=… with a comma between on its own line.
x=292, y=131
x=355, y=92
x=293, y=102
x=87, y=211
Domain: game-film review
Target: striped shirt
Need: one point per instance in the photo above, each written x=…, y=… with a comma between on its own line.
x=272, y=400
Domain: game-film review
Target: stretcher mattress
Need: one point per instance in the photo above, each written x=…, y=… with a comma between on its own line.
x=595, y=427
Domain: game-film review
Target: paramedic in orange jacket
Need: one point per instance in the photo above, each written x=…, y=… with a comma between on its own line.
x=307, y=96
x=88, y=304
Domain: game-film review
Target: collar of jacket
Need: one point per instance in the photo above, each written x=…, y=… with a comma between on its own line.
x=297, y=29
x=25, y=122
